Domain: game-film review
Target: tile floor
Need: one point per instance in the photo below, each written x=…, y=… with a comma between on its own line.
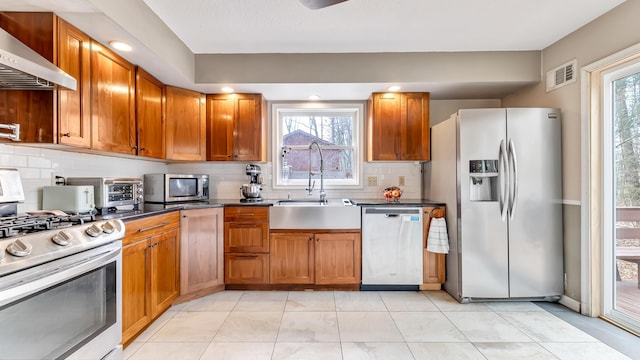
x=360, y=325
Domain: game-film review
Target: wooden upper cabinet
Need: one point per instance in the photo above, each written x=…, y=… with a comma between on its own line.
x=74, y=107
x=185, y=125
x=236, y=127
x=150, y=103
x=113, y=124
x=31, y=109
x=398, y=127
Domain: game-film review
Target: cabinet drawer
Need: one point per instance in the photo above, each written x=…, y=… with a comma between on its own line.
x=246, y=214
x=149, y=226
x=246, y=237
x=246, y=268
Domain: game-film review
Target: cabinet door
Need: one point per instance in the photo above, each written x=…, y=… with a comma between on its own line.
x=74, y=112
x=246, y=268
x=136, y=303
x=291, y=258
x=415, y=130
x=201, y=250
x=220, y=127
x=385, y=130
x=249, y=142
x=186, y=125
x=246, y=237
x=165, y=265
x=434, y=264
x=338, y=258
x=150, y=101
x=112, y=102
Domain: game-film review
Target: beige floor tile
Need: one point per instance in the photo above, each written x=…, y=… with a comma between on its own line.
x=238, y=351
x=310, y=301
x=407, y=301
x=583, y=351
x=427, y=327
x=359, y=301
x=445, y=351
x=307, y=351
x=170, y=351
x=513, y=306
x=190, y=327
x=367, y=327
x=155, y=326
x=222, y=301
x=261, y=301
x=250, y=326
x=510, y=351
x=375, y=351
x=545, y=327
x=131, y=349
x=486, y=327
x=309, y=327
x=444, y=302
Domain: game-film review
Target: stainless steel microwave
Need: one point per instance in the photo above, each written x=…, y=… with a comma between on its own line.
x=166, y=188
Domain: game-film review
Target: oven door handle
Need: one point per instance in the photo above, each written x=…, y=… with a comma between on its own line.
x=25, y=283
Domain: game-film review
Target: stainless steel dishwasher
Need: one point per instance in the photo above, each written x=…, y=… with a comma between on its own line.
x=391, y=248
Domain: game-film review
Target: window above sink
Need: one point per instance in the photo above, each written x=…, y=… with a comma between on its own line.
x=337, y=127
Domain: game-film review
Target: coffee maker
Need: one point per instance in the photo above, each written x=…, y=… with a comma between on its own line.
x=251, y=191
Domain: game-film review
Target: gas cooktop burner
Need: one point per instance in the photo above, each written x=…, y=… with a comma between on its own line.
x=26, y=224
x=251, y=200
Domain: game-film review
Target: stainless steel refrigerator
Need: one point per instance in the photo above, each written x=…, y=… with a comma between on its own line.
x=499, y=172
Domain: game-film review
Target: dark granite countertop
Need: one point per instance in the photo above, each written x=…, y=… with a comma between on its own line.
x=150, y=209
x=402, y=202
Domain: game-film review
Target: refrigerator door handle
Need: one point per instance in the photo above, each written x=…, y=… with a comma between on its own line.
x=503, y=178
x=514, y=176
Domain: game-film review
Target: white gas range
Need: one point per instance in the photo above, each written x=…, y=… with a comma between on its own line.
x=60, y=283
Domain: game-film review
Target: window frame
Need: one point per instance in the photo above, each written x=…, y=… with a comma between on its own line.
x=326, y=107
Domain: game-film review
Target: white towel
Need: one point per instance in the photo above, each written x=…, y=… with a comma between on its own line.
x=438, y=240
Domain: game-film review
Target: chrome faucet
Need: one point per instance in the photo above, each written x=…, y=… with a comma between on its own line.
x=323, y=195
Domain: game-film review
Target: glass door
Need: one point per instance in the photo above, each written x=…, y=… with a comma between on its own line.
x=621, y=240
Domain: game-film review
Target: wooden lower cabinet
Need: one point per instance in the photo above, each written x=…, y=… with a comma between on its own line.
x=319, y=258
x=246, y=269
x=434, y=270
x=246, y=245
x=150, y=271
x=201, y=252
x=291, y=258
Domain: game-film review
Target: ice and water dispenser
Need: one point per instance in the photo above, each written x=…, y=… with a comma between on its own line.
x=483, y=180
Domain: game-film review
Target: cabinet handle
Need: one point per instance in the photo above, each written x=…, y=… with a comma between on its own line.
x=247, y=256
x=310, y=238
x=153, y=227
x=247, y=214
x=142, y=149
x=66, y=134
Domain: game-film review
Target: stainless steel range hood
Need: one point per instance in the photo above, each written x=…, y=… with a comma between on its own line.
x=21, y=68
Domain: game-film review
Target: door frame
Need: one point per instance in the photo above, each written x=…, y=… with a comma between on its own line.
x=594, y=211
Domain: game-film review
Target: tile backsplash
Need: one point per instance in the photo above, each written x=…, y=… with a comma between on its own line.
x=38, y=165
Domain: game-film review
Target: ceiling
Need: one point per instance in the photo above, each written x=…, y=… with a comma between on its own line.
x=356, y=26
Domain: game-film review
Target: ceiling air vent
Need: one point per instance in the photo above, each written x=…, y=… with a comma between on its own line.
x=562, y=75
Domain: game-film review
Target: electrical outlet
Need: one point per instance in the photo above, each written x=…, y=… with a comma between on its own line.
x=372, y=181
x=55, y=178
x=400, y=180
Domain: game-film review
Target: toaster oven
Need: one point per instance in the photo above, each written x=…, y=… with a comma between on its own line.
x=110, y=192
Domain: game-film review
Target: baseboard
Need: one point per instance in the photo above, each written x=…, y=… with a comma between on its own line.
x=570, y=303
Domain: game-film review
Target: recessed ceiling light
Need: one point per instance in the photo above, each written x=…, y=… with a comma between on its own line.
x=314, y=97
x=119, y=45
x=227, y=89
x=394, y=88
